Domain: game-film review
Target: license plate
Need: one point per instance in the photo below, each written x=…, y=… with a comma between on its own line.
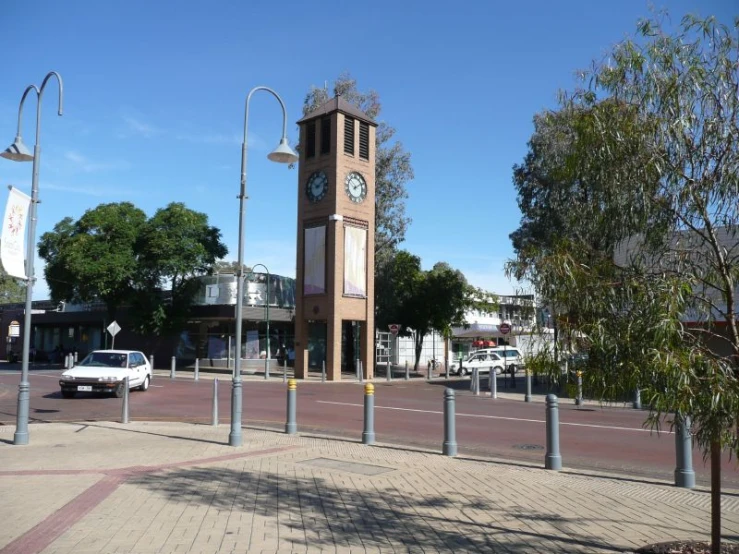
x=85, y=388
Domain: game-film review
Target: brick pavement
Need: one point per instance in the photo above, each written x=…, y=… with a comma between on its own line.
x=171, y=488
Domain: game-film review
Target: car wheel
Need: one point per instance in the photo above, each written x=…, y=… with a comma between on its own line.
x=120, y=388
x=145, y=385
x=462, y=371
x=68, y=393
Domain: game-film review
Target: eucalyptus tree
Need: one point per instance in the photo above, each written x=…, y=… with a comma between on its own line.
x=630, y=218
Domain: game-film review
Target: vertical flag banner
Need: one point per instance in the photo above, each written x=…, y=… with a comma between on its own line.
x=13, y=234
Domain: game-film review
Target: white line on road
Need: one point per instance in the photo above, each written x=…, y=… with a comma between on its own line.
x=483, y=416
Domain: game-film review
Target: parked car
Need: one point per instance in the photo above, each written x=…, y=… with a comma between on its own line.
x=105, y=371
x=483, y=361
x=512, y=356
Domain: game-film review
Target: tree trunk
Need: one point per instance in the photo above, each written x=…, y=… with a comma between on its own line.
x=715, y=497
x=418, y=339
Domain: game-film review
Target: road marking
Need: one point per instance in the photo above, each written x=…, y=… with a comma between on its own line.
x=483, y=416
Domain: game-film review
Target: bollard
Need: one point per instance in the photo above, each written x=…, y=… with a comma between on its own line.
x=493, y=383
x=449, y=448
x=553, y=459
x=368, y=435
x=475, y=381
x=66, y=362
x=446, y=370
x=637, y=399
x=578, y=400
x=151, y=361
x=266, y=369
x=407, y=371
x=196, y=375
x=214, y=418
x=323, y=371
x=124, y=408
x=357, y=366
x=388, y=375
x=361, y=372
x=284, y=369
x=291, y=427
x=71, y=360
x=75, y=356
x=527, y=397
x=684, y=474
x=172, y=369
x=428, y=372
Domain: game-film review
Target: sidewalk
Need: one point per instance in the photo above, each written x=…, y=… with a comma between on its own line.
x=171, y=488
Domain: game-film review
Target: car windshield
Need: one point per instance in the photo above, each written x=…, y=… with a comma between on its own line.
x=104, y=359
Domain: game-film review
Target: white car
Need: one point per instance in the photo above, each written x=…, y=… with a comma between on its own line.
x=105, y=371
x=483, y=361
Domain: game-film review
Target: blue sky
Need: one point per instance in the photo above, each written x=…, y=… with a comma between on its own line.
x=154, y=104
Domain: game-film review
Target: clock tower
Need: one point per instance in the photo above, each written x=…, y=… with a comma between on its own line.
x=334, y=300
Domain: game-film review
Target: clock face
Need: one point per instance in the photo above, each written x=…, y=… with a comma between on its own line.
x=317, y=186
x=356, y=187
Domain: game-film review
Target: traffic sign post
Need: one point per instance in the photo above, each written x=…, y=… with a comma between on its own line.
x=394, y=328
x=113, y=329
x=504, y=329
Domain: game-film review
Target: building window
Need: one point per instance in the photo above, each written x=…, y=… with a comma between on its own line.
x=325, y=135
x=348, y=136
x=310, y=139
x=364, y=140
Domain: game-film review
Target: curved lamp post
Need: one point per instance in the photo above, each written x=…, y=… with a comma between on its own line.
x=18, y=152
x=266, y=310
x=282, y=154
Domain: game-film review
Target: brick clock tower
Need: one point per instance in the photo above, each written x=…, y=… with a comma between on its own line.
x=334, y=300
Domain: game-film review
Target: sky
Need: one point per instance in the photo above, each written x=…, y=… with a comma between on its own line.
x=154, y=98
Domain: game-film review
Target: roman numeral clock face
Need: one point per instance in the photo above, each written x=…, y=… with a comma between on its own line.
x=317, y=186
x=356, y=187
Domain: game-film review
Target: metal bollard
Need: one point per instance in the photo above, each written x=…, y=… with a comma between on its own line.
x=75, y=356
x=361, y=372
x=407, y=371
x=684, y=474
x=124, y=408
x=151, y=361
x=266, y=369
x=475, y=381
x=357, y=366
x=388, y=375
x=637, y=399
x=527, y=397
x=449, y=448
x=214, y=418
x=493, y=383
x=368, y=435
x=553, y=459
x=578, y=400
x=323, y=371
x=428, y=372
x=172, y=369
x=291, y=427
x=196, y=375
x=446, y=370
x=284, y=370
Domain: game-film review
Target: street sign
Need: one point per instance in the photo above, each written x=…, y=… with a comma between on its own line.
x=504, y=328
x=113, y=328
x=394, y=328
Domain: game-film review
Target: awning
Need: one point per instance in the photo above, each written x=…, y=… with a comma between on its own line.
x=476, y=330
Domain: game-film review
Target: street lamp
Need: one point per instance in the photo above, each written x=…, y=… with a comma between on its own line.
x=18, y=152
x=282, y=154
x=266, y=310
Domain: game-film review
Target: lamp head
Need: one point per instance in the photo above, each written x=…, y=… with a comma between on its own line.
x=18, y=152
x=283, y=153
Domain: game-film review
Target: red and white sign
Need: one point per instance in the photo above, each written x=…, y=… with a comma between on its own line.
x=504, y=328
x=394, y=328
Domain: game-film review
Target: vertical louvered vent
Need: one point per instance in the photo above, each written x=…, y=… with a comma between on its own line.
x=325, y=135
x=310, y=139
x=364, y=140
x=349, y=135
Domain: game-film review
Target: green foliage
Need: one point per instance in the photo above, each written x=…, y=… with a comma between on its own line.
x=114, y=254
x=630, y=218
x=420, y=300
x=12, y=290
x=392, y=166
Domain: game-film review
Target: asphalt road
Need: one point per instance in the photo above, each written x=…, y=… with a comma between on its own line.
x=407, y=413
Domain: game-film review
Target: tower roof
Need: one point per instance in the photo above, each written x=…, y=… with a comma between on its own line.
x=338, y=104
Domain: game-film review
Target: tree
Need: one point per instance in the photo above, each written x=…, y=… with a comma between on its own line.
x=420, y=300
x=114, y=254
x=94, y=258
x=650, y=145
x=11, y=289
x=392, y=166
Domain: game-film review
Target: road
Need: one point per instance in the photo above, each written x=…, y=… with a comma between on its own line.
x=407, y=413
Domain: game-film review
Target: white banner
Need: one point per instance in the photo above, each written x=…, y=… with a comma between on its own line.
x=14, y=232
